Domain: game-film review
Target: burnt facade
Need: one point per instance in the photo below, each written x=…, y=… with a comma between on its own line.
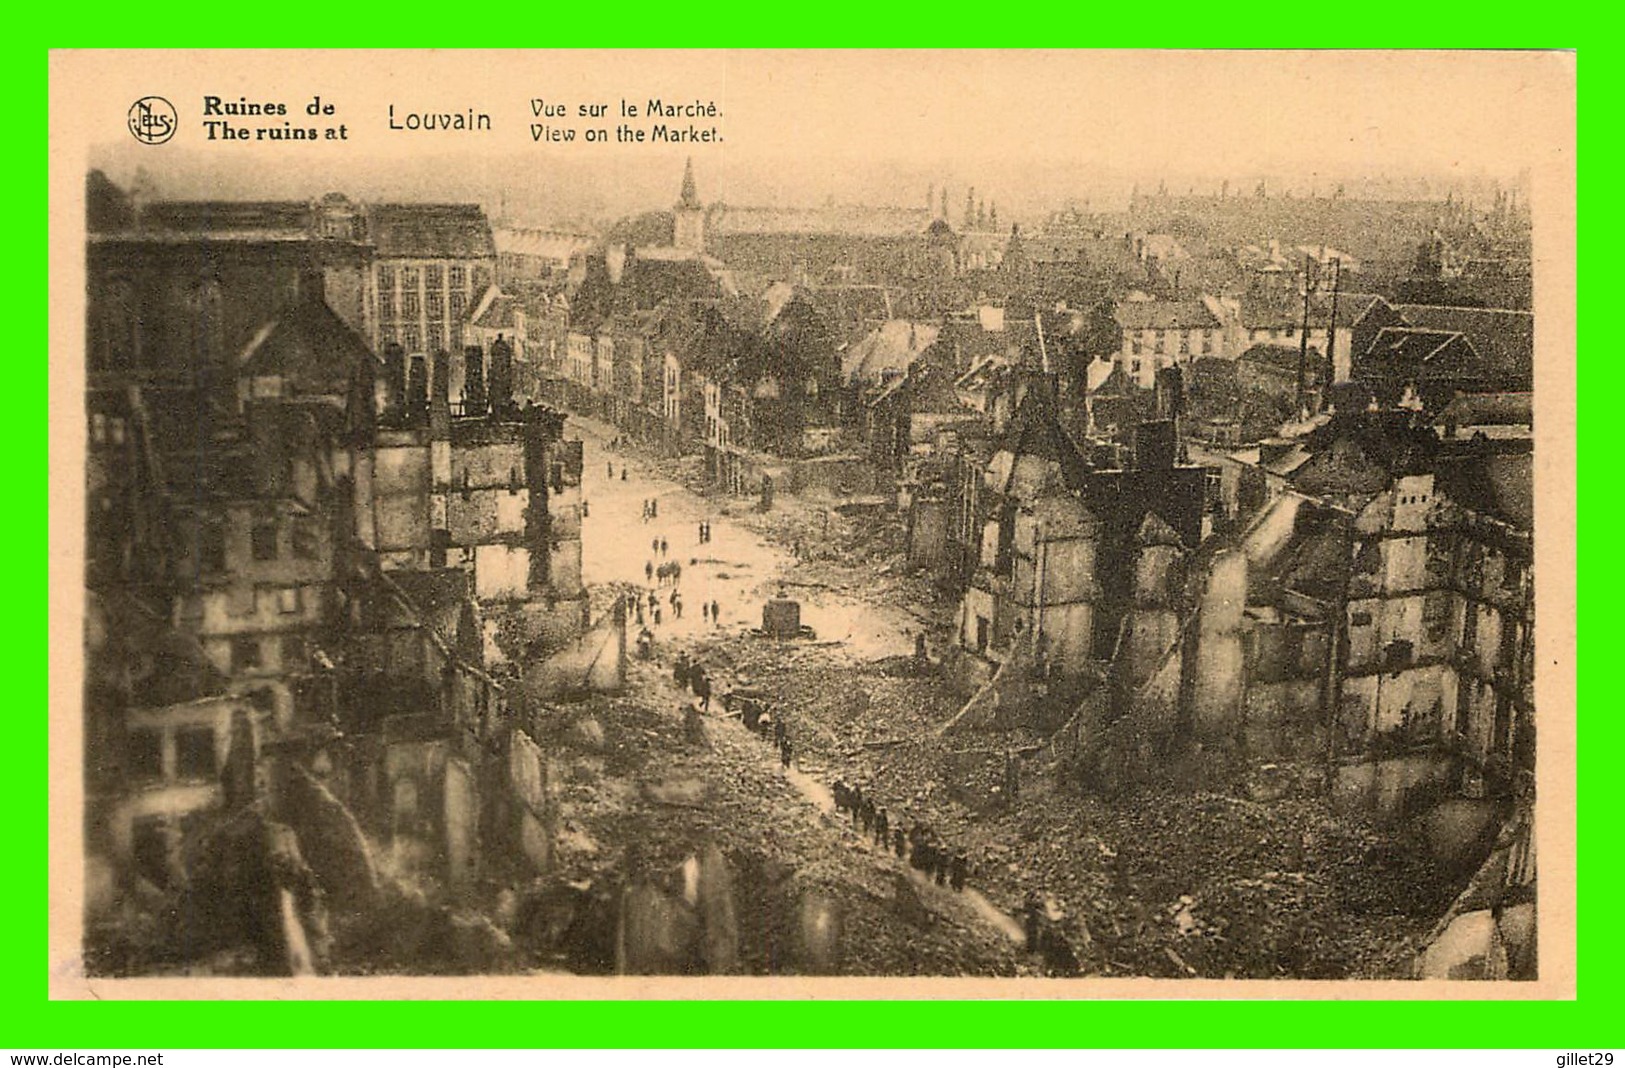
x=307, y=571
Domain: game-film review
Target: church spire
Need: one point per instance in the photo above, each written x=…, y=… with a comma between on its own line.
x=689, y=215
x=690, y=197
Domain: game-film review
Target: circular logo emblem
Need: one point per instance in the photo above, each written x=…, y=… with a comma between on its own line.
x=152, y=120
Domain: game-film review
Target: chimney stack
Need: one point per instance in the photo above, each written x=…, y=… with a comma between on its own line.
x=501, y=378
x=1170, y=392
x=440, y=396
x=417, y=391
x=1155, y=445
x=475, y=400
x=394, y=378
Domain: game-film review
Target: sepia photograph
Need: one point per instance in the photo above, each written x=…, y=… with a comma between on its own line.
x=1025, y=517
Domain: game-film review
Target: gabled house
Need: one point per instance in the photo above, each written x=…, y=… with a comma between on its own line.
x=1033, y=588
x=905, y=417
x=886, y=353
x=1420, y=367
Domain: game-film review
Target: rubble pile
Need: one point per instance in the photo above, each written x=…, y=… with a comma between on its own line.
x=629, y=814
x=222, y=913
x=1168, y=883
x=1249, y=875
x=1157, y=882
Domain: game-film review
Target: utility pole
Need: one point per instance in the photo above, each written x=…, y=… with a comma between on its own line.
x=1338, y=654
x=1331, y=334
x=1303, y=343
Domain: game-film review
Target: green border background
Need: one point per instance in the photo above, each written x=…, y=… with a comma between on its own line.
x=31, y=1020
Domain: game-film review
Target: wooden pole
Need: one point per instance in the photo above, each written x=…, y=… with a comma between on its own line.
x=1331, y=334
x=1303, y=343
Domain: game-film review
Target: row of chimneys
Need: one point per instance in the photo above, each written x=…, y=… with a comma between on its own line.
x=977, y=215
x=420, y=384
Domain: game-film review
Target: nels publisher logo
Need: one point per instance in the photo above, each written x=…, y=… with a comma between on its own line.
x=152, y=120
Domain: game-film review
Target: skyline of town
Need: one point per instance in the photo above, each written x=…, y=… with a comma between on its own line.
x=553, y=193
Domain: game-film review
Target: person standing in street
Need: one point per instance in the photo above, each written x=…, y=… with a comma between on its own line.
x=705, y=611
x=925, y=856
x=662, y=546
x=716, y=614
x=1030, y=917
x=649, y=571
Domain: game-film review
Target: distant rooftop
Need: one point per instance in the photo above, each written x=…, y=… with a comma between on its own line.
x=430, y=231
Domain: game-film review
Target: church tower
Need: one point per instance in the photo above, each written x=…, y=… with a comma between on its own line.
x=689, y=233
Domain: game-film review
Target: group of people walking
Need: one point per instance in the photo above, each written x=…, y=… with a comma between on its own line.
x=772, y=728
x=691, y=675
x=649, y=609
x=670, y=572
x=919, y=846
x=753, y=713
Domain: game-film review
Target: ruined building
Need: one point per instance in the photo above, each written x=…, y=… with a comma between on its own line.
x=307, y=575
x=480, y=485
x=219, y=382
x=1062, y=537
x=1372, y=614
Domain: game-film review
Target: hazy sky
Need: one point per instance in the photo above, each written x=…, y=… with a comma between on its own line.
x=1027, y=128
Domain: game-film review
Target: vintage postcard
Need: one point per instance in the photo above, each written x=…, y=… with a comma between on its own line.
x=778, y=524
